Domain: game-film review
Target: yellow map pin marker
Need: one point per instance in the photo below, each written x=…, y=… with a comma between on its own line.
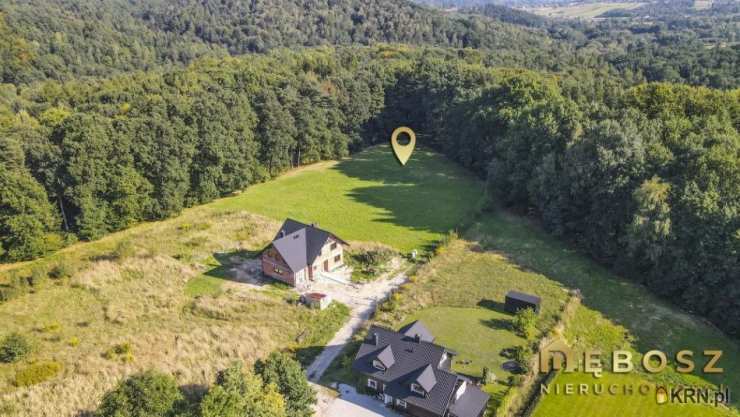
x=403, y=152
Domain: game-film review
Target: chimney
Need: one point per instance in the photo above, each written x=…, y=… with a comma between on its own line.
x=282, y=233
x=314, y=225
x=376, y=339
x=417, y=338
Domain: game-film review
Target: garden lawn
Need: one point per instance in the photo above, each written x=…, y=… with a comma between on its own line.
x=615, y=313
x=370, y=197
x=478, y=335
x=561, y=405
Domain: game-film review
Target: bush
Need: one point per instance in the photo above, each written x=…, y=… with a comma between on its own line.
x=125, y=249
x=521, y=355
x=37, y=373
x=121, y=351
x=14, y=348
x=516, y=380
x=487, y=377
x=286, y=373
x=367, y=264
x=73, y=341
x=64, y=269
x=150, y=394
x=525, y=323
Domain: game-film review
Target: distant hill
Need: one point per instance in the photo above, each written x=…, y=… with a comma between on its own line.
x=61, y=39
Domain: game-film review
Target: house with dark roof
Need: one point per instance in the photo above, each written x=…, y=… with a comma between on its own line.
x=412, y=374
x=300, y=252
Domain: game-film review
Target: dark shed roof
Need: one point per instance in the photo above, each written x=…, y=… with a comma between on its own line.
x=417, y=328
x=523, y=297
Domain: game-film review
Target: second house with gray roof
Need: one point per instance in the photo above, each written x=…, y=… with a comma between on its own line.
x=412, y=374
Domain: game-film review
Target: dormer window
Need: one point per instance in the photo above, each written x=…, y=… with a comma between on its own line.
x=378, y=365
x=417, y=389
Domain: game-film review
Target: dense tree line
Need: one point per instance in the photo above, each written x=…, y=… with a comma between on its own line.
x=660, y=41
x=64, y=39
x=276, y=387
x=88, y=158
x=645, y=179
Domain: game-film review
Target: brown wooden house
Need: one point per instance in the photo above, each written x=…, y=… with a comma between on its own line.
x=300, y=252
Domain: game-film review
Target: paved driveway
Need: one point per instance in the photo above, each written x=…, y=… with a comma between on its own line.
x=352, y=404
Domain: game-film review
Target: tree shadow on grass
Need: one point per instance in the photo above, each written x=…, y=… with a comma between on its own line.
x=428, y=194
x=493, y=305
x=498, y=324
x=232, y=267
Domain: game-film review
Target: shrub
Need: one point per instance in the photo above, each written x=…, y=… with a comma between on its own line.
x=73, y=341
x=488, y=376
x=64, y=269
x=150, y=394
x=123, y=250
x=121, y=351
x=37, y=373
x=525, y=323
x=521, y=355
x=52, y=327
x=516, y=380
x=14, y=348
x=286, y=373
x=369, y=263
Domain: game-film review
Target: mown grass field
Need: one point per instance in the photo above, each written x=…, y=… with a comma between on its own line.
x=167, y=289
x=583, y=10
x=615, y=314
x=371, y=197
x=620, y=405
x=167, y=293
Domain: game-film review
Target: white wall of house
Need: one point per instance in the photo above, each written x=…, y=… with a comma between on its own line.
x=333, y=252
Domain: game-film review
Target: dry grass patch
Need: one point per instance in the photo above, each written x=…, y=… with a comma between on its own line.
x=126, y=310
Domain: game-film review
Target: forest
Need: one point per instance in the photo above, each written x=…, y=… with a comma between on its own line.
x=620, y=137
x=645, y=179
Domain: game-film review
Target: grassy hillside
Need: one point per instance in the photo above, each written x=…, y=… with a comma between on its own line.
x=166, y=294
x=371, y=198
x=172, y=295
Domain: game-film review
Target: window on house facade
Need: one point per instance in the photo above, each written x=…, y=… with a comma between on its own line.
x=401, y=404
x=278, y=270
x=337, y=258
x=371, y=383
x=417, y=389
x=333, y=245
x=378, y=365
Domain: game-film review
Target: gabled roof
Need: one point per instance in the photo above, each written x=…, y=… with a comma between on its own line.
x=471, y=403
x=300, y=244
x=426, y=378
x=414, y=362
x=417, y=328
x=386, y=357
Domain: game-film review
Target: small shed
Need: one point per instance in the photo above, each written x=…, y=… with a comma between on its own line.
x=516, y=301
x=316, y=300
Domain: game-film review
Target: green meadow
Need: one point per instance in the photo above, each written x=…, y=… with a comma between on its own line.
x=371, y=197
x=149, y=284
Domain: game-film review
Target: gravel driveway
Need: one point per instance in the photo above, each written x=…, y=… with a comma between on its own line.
x=361, y=299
